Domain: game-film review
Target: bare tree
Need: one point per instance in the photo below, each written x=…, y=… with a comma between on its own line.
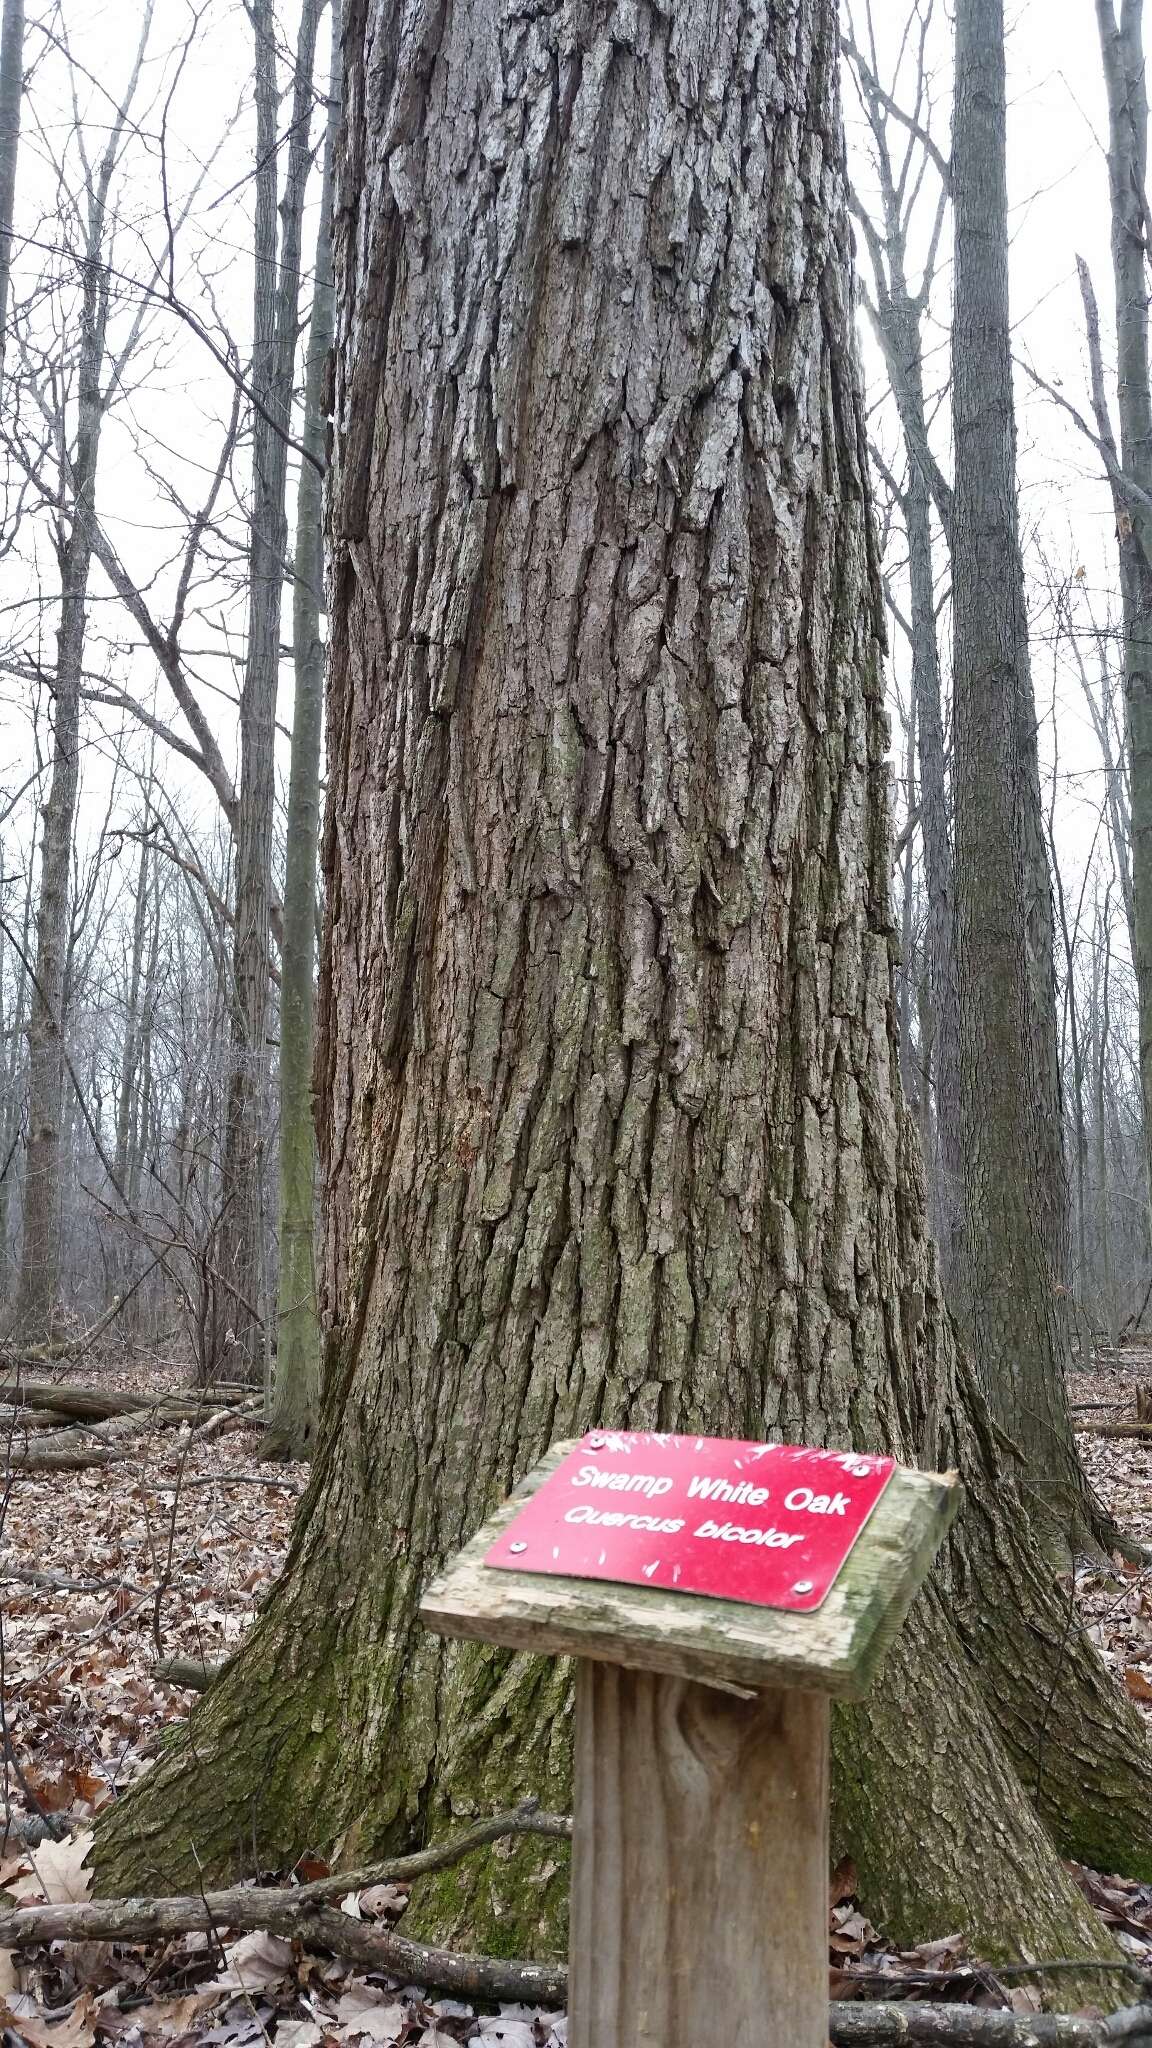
x=904, y=158
x=11, y=95
x=295, y=1398
x=1012, y=1278
x=1129, y=467
x=37, y=1296
x=244, y=1332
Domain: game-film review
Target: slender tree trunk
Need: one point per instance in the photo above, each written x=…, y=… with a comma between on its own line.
x=296, y=1388
x=1122, y=51
x=1011, y=1289
x=13, y=1018
x=908, y=978
x=240, y=1338
x=11, y=95
x=39, y=1281
x=608, y=1037
x=126, y=1098
x=941, y=1050
x=898, y=313
x=38, y=1286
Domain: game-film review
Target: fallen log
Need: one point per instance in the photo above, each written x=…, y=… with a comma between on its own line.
x=72, y=1450
x=100, y=1404
x=23, y=1419
x=241, y=1415
x=296, y=1916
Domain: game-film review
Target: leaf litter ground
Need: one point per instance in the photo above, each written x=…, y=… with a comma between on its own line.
x=106, y=1572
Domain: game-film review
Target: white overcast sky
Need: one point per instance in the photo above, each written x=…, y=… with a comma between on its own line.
x=1059, y=209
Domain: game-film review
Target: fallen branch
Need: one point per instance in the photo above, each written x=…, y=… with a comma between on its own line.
x=295, y=1916
x=195, y=1674
x=222, y=1479
x=240, y=1415
x=1115, y=1428
x=967, y=2026
x=525, y=1819
x=56, y=1582
x=72, y=1450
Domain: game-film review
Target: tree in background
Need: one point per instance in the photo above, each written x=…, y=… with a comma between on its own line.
x=295, y=1397
x=1129, y=466
x=904, y=157
x=37, y=1298
x=242, y=1336
x=11, y=94
x=610, y=1103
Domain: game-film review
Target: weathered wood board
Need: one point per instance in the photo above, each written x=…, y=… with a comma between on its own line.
x=835, y=1650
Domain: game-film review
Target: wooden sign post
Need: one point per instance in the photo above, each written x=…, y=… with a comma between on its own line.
x=717, y=1596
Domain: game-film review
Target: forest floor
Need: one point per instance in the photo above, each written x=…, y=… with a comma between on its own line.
x=168, y=1553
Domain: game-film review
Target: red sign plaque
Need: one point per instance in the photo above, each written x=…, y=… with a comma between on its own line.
x=764, y=1523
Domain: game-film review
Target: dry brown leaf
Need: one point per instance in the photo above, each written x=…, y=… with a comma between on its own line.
x=77, y=2031
x=55, y=1874
x=174, y=2015
x=383, y=1898
x=1136, y=1684
x=256, y=1962
x=366, y=2011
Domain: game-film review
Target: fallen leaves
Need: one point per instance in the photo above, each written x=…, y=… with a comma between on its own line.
x=86, y=1711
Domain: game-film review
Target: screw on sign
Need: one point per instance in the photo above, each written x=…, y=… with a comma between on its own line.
x=717, y=1595
x=766, y=1523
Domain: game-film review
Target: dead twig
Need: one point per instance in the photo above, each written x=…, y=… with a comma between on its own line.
x=296, y=1916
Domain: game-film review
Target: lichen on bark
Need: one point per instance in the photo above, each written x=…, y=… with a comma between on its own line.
x=607, y=1050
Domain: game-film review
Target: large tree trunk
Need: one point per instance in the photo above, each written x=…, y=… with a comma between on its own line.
x=295, y=1401
x=608, y=1045
x=1012, y=1270
x=239, y=1342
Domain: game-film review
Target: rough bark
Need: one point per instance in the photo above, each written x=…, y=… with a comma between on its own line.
x=1011, y=1283
x=608, y=1042
x=1122, y=52
x=296, y=1386
x=239, y=1339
